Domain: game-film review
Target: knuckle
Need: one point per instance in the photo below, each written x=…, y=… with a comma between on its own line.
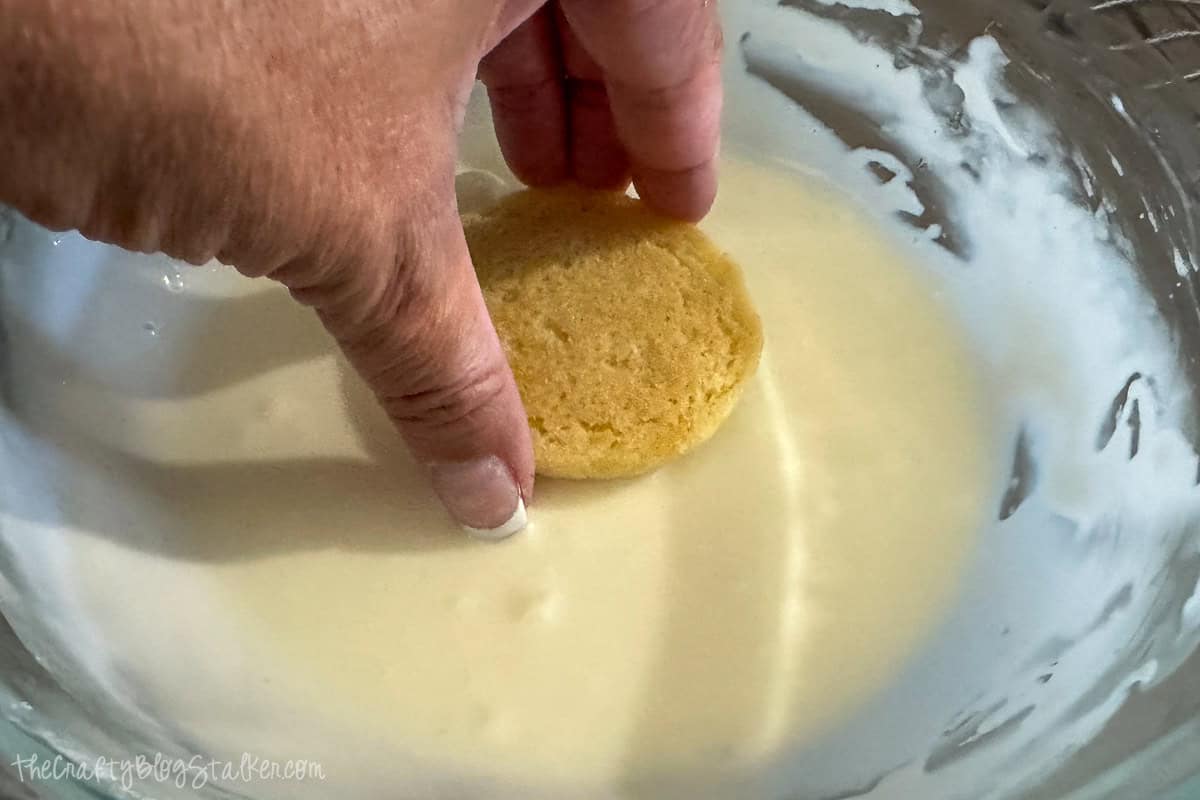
x=393, y=320
x=193, y=246
x=350, y=279
x=448, y=395
x=588, y=94
x=416, y=346
x=375, y=318
x=126, y=212
x=50, y=212
x=637, y=10
x=521, y=98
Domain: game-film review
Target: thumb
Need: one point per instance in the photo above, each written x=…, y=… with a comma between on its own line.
x=418, y=331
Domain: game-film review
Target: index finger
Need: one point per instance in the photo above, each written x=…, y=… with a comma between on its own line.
x=661, y=61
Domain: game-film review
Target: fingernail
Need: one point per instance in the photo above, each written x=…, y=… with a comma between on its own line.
x=482, y=496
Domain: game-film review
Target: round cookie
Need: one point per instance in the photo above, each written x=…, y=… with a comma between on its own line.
x=630, y=335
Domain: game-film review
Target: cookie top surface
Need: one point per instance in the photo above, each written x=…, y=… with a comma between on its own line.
x=630, y=335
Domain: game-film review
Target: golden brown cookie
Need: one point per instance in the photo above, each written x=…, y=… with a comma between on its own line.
x=630, y=336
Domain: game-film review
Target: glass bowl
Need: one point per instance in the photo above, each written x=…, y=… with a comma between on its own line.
x=1068, y=667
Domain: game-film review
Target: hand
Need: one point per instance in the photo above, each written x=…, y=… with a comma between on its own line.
x=313, y=142
x=600, y=92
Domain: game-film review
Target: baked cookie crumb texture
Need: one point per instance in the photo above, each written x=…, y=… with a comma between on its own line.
x=630, y=336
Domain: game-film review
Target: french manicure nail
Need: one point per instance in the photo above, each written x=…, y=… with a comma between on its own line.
x=515, y=524
x=482, y=496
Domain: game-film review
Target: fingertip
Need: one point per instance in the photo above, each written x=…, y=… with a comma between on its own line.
x=542, y=169
x=530, y=125
x=512, y=526
x=686, y=195
x=482, y=495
